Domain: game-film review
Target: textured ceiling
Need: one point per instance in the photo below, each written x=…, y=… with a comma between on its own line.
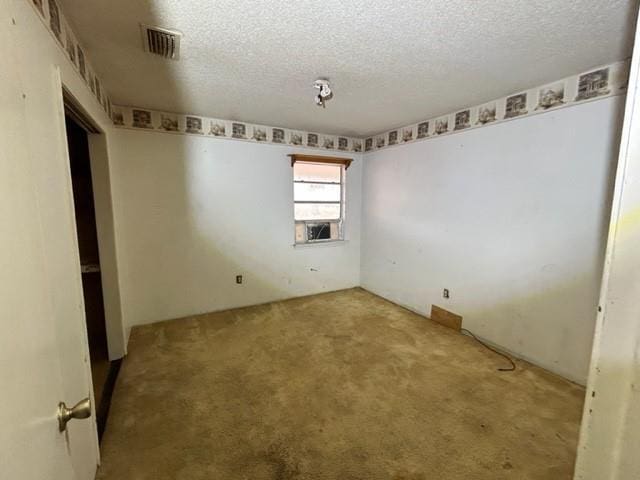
x=390, y=63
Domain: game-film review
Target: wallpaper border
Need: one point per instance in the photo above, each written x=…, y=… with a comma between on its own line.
x=176, y=123
x=50, y=13
x=594, y=84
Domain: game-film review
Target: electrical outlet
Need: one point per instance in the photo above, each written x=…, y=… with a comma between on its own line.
x=445, y=293
x=238, y=279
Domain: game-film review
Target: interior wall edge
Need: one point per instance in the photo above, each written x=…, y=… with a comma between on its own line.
x=610, y=431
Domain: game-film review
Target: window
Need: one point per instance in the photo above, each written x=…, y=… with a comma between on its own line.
x=318, y=195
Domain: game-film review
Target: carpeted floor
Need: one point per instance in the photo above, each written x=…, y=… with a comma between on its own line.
x=337, y=386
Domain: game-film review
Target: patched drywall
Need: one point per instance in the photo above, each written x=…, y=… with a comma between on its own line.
x=193, y=212
x=510, y=218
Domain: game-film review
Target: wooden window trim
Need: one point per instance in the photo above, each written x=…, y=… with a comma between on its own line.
x=298, y=157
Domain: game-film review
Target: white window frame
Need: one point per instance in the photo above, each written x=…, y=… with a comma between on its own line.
x=307, y=223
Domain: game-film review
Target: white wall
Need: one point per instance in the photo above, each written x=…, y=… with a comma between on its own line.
x=511, y=218
x=194, y=212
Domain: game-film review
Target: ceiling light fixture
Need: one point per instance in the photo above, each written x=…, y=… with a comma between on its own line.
x=324, y=91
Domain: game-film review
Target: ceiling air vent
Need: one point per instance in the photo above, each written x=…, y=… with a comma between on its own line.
x=161, y=41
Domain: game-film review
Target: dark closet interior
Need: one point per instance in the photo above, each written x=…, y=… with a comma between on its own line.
x=83, y=199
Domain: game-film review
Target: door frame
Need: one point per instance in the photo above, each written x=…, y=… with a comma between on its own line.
x=105, y=225
x=610, y=430
x=99, y=159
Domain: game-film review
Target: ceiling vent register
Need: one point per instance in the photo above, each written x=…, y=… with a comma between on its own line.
x=160, y=41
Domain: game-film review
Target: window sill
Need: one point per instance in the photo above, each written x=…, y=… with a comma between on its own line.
x=330, y=243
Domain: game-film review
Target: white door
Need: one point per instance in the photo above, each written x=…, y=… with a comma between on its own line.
x=43, y=352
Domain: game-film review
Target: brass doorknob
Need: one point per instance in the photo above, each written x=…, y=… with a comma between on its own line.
x=80, y=410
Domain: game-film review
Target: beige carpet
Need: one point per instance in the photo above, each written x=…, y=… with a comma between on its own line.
x=337, y=386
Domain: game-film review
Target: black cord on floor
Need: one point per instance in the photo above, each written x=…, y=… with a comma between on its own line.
x=513, y=365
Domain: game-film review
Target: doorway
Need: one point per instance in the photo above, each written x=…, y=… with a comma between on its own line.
x=103, y=371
